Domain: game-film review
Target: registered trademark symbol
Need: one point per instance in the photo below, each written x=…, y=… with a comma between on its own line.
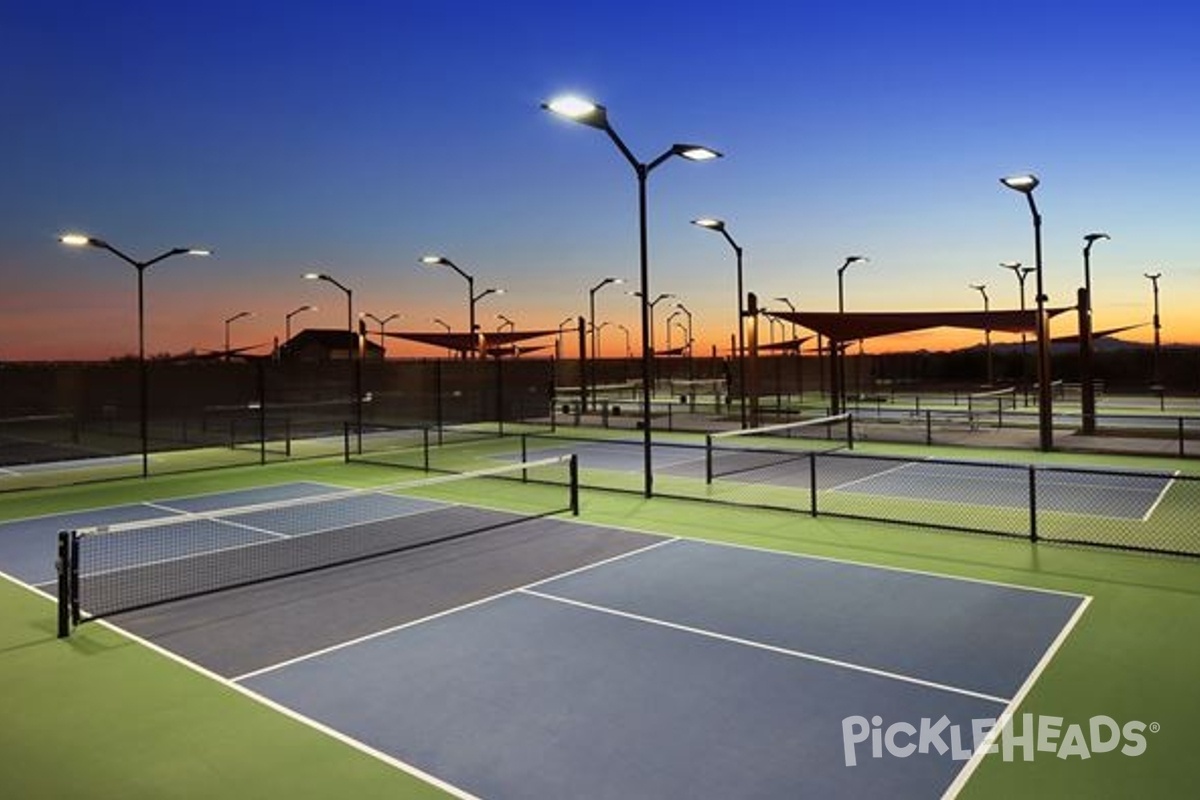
x=1155, y=727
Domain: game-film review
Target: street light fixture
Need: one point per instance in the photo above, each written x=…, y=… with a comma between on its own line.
x=382, y=323
x=628, y=349
x=287, y=320
x=837, y=353
x=1022, y=273
x=987, y=329
x=321, y=276
x=594, y=115
x=82, y=240
x=1025, y=184
x=229, y=321
x=505, y=322
x=472, y=298
x=1087, y=388
x=650, y=306
x=718, y=225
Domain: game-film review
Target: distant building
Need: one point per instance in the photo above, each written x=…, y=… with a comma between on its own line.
x=323, y=344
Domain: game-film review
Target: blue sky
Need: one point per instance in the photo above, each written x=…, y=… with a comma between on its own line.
x=356, y=136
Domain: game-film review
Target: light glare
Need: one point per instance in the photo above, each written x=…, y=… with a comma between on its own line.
x=74, y=239
x=572, y=107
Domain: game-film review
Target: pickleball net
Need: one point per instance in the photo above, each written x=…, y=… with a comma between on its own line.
x=743, y=451
x=110, y=569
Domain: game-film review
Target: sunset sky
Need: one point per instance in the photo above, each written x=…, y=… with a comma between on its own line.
x=354, y=137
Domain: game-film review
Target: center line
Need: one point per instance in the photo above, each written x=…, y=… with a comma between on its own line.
x=768, y=647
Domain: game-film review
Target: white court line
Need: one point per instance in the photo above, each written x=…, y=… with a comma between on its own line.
x=833, y=662
x=976, y=759
x=438, y=615
x=1161, y=494
x=873, y=475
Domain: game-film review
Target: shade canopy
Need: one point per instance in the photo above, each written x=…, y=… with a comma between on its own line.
x=848, y=326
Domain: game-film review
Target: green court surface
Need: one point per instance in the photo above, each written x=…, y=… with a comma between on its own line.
x=103, y=716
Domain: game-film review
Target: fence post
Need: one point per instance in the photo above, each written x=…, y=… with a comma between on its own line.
x=928, y=427
x=812, y=482
x=1033, y=528
x=574, y=484
x=708, y=459
x=64, y=584
x=1180, y=422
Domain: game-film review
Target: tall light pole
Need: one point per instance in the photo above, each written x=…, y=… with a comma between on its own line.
x=1025, y=184
x=838, y=351
x=287, y=320
x=650, y=306
x=596, y=116
x=229, y=321
x=687, y=314
x=382, y=323
x=718, y=225
x=354, y=342
x=592, y=323
x=799, y=359
x=1087, y=388
x=321, y=276
x=1022, y=273
x=558, y=342
x=446, y=326
x=628, y=349
x=1153, y=278
x=505, y=322
x=987, y=329
x=472, y=298
x=592, y=310
x=82, y=240
x=671, y=318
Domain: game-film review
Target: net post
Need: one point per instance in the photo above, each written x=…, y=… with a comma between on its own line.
x=1033, y=528
x=928, y=427
x=65, y=568
x=574, y=479
x=812, y=483
x=849, y=431
x=425, y=446
x=708, y=458
x=346, y=442
x=1179, y=423
x=287, y=436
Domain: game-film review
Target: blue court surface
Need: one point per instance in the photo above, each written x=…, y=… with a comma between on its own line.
x=552, y=658
x=683, y=669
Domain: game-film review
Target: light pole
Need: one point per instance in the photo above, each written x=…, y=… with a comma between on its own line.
x=628, y=349
x=505, y=322
x=799, y=360
x=1087, y=388
x=321, y=276
x=472, y=298
x=287, y=320
x=838, y=352
x=592, y=322
x=650, y=306
x=1025, y=184
x=671, y=318
x=687, y=314
x=592, y=310
x=229, y=321
x=596, y=116
x=987, y=329
x=1153, y=278
x=81, y=240
x=719, y=225
x=382, y=323
x=446, y=326
x=1022, y=273
x=558, y=342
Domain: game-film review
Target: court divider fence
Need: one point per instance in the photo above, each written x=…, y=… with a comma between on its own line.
x=1145, y=510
